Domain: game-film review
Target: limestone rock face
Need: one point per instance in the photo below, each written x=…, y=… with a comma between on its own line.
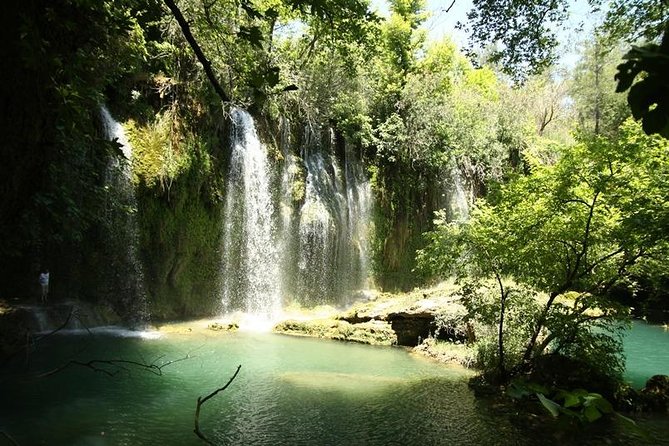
x=416, y=321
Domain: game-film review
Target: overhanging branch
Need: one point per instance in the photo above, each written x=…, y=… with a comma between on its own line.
x=206, y=64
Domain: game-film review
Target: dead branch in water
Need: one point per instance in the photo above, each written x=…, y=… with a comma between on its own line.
x=111, y=367
x=201, y=401
x=9, y=438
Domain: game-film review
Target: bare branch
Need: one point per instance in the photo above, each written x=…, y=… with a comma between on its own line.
x=111, y=367
x=201, y=401
x=30, y=341
x=9, y=438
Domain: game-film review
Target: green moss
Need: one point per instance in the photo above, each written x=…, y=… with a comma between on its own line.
x=158, y=155
x=298, y=187
x=179, y=213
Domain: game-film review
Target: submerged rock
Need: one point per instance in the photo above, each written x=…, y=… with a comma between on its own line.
x=217, y=326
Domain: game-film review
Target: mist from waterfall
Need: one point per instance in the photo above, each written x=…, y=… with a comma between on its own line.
x=295, y=230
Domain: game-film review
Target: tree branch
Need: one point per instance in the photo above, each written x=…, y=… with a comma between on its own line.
x=9, y=438
x=30, y=341
x=206, y=64
x=111, y=367
x=201, y=401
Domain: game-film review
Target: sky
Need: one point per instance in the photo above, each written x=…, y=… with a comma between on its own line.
x=443, y=22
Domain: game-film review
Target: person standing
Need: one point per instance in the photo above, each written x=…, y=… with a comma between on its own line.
x=44, y=282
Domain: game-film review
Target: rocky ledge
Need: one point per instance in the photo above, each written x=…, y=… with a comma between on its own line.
x=431, y=321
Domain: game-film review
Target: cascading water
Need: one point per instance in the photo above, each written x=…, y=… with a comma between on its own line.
x=304, y=243
x=359, y=200
x=459, y=196
x=333, y=220
x=124, y=282
x=251, y=280
x=114, y=131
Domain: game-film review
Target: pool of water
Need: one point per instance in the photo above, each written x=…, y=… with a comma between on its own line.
x=646, y=349
x=289, y=391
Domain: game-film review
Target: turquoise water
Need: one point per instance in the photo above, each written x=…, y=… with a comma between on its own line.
x=290, y=391
x=647, y=352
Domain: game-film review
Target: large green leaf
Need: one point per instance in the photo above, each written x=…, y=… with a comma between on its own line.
x=550, y=405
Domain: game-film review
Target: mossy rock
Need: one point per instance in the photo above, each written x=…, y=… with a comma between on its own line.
x=373, y=332
x=655, y=395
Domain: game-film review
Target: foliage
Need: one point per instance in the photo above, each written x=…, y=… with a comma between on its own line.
x=524, y=29
x=63, y=56
x=573, y=226
x=159, y=154
x=647, y=97
x=600, y=109
x=635, y=20
x=521, y=309
x=239, y=38
x=180, y=237
x=577, y=404
x=449, y=122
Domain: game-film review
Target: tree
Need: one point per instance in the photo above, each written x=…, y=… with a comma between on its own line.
x=599, y=108
x=525, y=32
x=235, y=41
x=582, y=225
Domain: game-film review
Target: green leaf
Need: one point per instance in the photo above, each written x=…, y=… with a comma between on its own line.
x=654, y=121
x=571, y=400
x=252, y=34
x=640, y=98
x=251, y=11
x=591, y=413
x=626, y=73
x=272, y=76
x=271, y=14
x=550, y=405
x=603, y=405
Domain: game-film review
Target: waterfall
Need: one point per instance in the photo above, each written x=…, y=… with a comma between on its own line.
x=251, y=280
x=296, y=230
x=114, y=131
x=123, y=278
x=318, y=231
x=459, y=196
x=359, y=202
